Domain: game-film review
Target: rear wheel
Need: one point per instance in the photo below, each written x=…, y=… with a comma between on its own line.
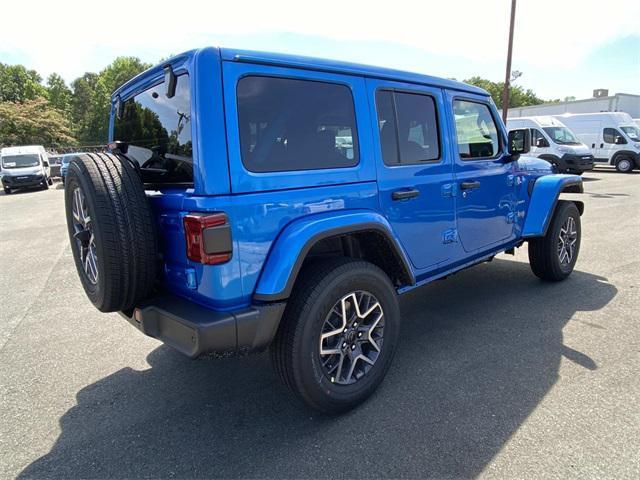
x=45, y=183
x=554, y=256
x=624, y=164
x=338, y=335
x=111, y=229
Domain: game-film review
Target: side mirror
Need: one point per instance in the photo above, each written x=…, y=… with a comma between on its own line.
x=45, y=163
x=619, y=140
x=542, y=143
x=519, y=141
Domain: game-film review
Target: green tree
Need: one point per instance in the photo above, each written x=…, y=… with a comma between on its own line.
x=518, y=96
x=17, y=84
x=59, y=92
x=34, y=122
x=91, y=102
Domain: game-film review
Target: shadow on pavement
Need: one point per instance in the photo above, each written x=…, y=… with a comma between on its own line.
x=478, y=353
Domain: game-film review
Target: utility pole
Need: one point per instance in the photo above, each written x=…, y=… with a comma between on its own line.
x=507, y=77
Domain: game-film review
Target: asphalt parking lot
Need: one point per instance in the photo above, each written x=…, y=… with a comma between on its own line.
x=498, y=375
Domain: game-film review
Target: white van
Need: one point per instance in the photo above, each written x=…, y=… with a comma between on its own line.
x=613, y=137
x=552, y=141
x=22, y=167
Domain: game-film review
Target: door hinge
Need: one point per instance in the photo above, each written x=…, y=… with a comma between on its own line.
x=450, y=236
x=449, y=190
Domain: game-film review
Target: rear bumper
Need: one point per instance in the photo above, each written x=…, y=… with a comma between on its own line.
x=195, y=330
x=578, y=163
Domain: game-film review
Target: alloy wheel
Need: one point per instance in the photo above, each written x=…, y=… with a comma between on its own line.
x=567, y=240
x=84, y=236
x=351, y=338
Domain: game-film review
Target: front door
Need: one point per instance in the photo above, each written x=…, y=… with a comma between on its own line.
x=414, y=169
x=484, y=177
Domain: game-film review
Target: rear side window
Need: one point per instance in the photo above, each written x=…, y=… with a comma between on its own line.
x=476, y=130
x=158, y=132
x=289, y=125
x=408, y=127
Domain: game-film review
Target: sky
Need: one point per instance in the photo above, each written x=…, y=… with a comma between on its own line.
x=562, y=47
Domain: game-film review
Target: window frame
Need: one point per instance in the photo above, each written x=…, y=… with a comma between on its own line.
x=355, y=135
x=500, y=151
x=436, y=112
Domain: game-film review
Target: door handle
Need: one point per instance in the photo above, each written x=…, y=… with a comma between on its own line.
x=470, y=185
x=602, y=145
x=405, y=194
x=593, y=145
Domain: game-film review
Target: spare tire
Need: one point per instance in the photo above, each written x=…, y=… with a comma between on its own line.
x=111, y=230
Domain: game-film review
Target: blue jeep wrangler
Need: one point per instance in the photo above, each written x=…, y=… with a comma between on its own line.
x=256, y=200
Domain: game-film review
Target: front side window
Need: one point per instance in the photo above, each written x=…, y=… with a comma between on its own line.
x=157, y=130
x=610, y=134
x=21, y=161
x=476, y=130
x=291, y=125
x=408, y=127
x=562, y=135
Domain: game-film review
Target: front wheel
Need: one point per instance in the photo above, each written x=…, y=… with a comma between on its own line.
x=553, y=257
x=7, y=190
x=338, y=334
x=624, y=165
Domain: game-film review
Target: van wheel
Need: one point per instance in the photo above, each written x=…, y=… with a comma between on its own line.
x=7, y=190
x=50, y=181
x=338, y=335
x=111, y=229
x=553, y=257
x=45, y=184
x=624, y=164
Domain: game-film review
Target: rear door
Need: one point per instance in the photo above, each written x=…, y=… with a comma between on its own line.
x=485, y=180
x=414, y=168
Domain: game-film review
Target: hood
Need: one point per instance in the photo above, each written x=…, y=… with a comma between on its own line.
x=533, y=164
x=14, y=172
x=581, y=149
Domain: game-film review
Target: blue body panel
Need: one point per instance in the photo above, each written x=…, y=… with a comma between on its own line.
x=543, y=199
x=274, y=216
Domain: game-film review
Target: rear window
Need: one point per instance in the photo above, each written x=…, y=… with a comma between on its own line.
x=158, y=132
x=289, y=125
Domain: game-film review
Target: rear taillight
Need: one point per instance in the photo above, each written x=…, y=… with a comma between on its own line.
x=208, y=238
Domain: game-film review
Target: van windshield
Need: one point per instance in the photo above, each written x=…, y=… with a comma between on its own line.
x=561, y=135
x=632, y=132
x=21, y=161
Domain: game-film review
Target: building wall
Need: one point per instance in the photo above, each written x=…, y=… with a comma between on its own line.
x=621, y=102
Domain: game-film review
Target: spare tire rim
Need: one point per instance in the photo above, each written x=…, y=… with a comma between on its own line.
x=567, y=240
x=84, y=236
x=351, y=337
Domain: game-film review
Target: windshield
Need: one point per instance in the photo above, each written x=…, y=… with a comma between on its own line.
x=632, y=132
x=20, y=161
x=562, y=135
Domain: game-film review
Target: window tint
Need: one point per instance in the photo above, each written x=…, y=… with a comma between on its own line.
x=610, y=135
x=411, y=136
x=288, y=125
x=476, y=130
x=158, y=132
x=387, y=126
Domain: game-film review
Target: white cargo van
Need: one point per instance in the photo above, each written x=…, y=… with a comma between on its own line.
x=22, y=167
x=613, y=137
x=552, y=141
